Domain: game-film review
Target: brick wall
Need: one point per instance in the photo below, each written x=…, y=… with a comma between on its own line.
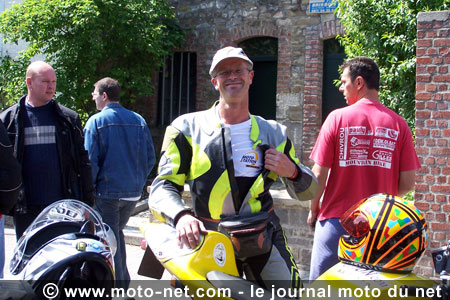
x=312, y=108
x=433, y=128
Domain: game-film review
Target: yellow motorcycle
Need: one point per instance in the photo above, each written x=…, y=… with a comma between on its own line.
x=381, y=223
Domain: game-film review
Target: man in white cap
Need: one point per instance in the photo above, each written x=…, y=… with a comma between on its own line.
x=230, y=159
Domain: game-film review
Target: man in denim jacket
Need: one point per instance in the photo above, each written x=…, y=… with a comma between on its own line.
x=121, y=151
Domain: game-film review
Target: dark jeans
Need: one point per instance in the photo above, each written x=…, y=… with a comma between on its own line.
x=115, y=213
x=325, y=247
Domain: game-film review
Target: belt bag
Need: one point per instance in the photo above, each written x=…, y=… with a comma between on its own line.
x=250, y=235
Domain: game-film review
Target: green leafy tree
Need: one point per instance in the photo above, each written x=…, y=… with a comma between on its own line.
x=85, y=40
x=12, y=79
x=385, y=30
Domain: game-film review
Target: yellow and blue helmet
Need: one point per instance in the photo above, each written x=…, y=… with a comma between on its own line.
x=385, y=233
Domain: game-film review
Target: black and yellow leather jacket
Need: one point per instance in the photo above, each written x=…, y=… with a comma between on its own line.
x=194, y=150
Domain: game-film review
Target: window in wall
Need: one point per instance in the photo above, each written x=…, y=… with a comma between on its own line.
x=263, y=51
x=260, y=46
x=177, y=85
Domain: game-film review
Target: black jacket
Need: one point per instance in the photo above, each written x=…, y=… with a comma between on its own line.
x=74, y=161
x=10, y=174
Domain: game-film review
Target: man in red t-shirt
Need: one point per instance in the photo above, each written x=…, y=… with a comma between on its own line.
x=362, y=149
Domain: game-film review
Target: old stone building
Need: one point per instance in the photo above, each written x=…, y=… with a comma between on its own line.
x=289, y=45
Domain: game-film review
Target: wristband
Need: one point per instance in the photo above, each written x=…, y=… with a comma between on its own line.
x=295, y=174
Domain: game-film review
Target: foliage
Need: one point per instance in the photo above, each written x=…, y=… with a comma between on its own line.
x=385, y=30
x=409, y=196
x=12, y=81
x=85, y=40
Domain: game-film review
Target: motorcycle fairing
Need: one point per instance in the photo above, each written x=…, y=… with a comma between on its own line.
x=215, y=252
x=343, y=275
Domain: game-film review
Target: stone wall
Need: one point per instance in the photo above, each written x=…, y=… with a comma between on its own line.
x=213, y=24
x=312, y=106
x=432, y=191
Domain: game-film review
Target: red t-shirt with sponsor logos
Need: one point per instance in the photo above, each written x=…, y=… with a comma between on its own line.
x=365, y=145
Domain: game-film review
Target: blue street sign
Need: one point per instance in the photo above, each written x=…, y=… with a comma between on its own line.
x=322, y=6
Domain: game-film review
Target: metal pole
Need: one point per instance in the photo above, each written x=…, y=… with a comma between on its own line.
x=171, y=90
x=188, y=90
x=163, y=94
x=180, y=84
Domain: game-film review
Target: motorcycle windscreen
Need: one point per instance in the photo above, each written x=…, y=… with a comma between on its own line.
x=61, y=217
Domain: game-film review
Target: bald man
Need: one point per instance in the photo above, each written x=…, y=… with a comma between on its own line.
x=48, y=142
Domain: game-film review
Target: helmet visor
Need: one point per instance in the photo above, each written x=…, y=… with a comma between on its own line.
x=65, y=216
x=354, y=221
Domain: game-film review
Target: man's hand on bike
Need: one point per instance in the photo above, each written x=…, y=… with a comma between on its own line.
x=189, y=229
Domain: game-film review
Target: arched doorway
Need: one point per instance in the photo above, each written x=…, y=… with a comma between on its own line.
x=263, y=51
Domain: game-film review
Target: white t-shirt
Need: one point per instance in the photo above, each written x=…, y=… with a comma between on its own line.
x=247, y=161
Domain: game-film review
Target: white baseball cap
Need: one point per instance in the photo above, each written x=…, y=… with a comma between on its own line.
x=228, y=52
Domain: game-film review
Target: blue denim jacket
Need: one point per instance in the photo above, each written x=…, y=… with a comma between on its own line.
x=121, y=151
